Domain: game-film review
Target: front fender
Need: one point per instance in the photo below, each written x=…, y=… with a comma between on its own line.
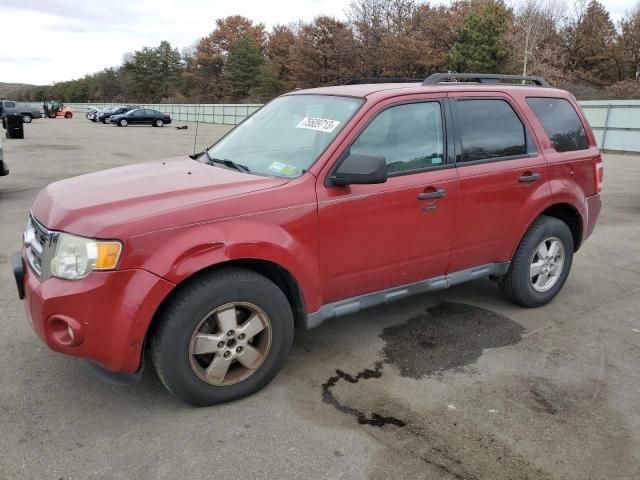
x=291, y=243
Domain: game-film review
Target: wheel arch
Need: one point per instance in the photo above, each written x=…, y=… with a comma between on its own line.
x=565, y=212
x=271, y=270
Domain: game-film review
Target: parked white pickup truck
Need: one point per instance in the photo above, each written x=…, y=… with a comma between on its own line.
x=27, y=111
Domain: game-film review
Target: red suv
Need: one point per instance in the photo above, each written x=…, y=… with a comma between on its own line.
x=322, y=203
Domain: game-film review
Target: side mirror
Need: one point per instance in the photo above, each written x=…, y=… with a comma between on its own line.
x=360, y=168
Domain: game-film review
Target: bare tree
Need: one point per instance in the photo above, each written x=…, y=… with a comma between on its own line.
x=536, y=20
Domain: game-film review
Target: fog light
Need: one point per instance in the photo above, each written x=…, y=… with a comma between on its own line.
x=65, y=331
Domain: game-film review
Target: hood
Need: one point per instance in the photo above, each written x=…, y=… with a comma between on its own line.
x=140, y=198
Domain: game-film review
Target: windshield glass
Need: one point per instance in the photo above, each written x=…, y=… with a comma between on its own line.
x=286, y=136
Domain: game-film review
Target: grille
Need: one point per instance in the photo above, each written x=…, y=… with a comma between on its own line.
x=36, y=238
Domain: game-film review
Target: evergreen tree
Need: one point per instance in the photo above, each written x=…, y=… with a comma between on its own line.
x=243, y=67
x=269, y=84
x=482, y=44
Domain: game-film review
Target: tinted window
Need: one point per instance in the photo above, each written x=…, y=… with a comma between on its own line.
x=561, y=122
x=408, y=136
x=489, y=129
x=138, y=113
x=10, y=104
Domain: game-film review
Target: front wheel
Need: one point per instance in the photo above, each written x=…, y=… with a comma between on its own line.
x=123, y=122
x=26, y=118
x=541, y=264
x=159, y=123
x=225, y=335
x=52, y=115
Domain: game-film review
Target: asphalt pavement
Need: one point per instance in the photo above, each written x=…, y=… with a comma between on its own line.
x=459, y=384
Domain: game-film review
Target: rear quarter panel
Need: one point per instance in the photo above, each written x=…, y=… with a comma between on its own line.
x=571, y=174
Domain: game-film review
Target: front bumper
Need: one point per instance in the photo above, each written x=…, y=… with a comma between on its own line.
x=108, y=313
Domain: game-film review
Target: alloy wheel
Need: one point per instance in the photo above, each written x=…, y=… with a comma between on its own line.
x=546, y=264
x=230, y=343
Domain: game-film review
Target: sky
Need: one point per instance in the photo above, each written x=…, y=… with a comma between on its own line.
x=57, y=40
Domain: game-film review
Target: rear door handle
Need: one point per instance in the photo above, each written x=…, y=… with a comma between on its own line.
x=434, y=194
x=530, y=177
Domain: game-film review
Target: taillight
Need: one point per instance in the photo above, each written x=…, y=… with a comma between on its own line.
x=598, y=173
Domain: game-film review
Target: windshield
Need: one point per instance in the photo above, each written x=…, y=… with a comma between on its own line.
x=287, y=135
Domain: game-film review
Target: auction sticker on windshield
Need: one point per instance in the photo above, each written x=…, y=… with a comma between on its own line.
x=320, y=124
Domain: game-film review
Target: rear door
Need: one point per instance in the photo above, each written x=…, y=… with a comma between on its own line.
x=503, y=178
x=150, y=116
x=374, y=237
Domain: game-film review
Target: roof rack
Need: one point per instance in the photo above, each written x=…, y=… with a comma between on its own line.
x=359, y=81
x=437, y=78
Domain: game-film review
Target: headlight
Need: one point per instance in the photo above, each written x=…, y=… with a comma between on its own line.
x=76, y=257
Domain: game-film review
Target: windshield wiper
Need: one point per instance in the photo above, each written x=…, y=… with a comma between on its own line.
x=227, y=163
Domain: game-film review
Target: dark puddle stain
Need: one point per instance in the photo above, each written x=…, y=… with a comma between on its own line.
x=374, y=419
x=447, y=336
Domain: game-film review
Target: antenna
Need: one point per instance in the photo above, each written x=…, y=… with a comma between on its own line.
x=195, y=138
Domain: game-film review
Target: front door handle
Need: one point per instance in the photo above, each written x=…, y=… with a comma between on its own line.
x=529, y=177
x=433, y=194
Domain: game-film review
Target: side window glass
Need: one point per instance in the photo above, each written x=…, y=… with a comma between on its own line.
x=489, y=129
x=561, y=122
x=409, y=136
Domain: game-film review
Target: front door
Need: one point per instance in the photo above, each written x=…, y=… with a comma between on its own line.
x=137, y=117
x=374, y=237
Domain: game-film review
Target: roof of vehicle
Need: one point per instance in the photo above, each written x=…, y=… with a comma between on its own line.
x=366, y=89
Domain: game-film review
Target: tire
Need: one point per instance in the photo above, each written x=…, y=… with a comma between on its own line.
x=190, y=312
x=158, y=123
x=519, y=284
x=27, y=118
x=52, y=114
x=123, y=122
x=68, y=115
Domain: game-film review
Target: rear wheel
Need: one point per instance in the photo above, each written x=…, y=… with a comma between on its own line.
x=68, y=115
x=541, y=264
x=26, y=118
x=225, y=335
x=123, y=122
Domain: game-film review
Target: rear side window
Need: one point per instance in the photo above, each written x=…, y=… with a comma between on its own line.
x=561, y=122
x=489, y=129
